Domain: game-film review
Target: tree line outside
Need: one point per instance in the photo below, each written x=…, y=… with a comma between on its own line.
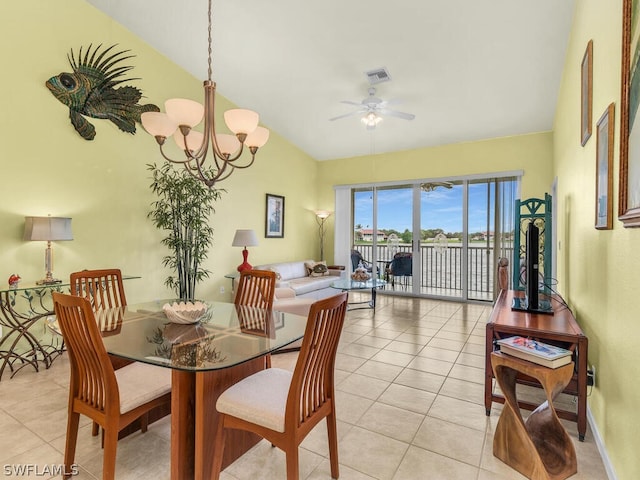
x=427, y=235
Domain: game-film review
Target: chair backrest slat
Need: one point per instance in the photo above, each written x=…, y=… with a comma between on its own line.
x=93, y=379
x=312, y=385
x=103, y=288
x=254, y=301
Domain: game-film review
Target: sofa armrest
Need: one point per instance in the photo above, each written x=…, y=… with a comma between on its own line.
x=285, y=292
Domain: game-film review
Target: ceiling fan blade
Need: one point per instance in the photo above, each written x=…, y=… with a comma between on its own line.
x=357, y=112
x=348, y=102
x=394, y=113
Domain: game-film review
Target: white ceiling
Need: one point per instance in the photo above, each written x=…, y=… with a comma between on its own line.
x=468, y=69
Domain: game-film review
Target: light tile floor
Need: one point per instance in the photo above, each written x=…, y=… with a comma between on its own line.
x=410, y=405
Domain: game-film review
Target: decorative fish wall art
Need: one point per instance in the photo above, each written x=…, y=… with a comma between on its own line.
x=90, y=91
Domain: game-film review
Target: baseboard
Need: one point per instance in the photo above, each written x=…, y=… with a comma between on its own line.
x=611, y=474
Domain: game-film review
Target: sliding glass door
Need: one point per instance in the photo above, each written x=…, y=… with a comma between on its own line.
x=442, y=238
x=435, y=238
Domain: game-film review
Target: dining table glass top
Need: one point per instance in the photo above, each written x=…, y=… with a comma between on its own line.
x=225, y=336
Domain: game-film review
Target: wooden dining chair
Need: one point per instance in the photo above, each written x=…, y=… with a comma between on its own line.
x=283, y=406
x=256, y=290
x=104, y=289
x=112, y=398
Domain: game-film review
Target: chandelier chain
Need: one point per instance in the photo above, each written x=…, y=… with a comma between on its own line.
x=225, y=149
x=210, y=50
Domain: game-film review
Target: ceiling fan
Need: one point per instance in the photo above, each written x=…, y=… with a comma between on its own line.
x=373, y=109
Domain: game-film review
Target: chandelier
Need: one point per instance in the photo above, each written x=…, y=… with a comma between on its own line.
x=182, y=115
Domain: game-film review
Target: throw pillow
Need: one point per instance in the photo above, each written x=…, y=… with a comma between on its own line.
x=309, y=267
x=319, y=269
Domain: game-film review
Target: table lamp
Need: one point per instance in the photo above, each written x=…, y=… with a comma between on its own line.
x=245, y=238
x=47, y=229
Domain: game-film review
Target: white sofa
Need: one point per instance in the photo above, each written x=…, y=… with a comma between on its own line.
x=294, y=275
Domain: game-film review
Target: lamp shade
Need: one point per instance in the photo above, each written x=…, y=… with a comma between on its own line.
x=47, y=228
x=323, y=214
x=184, y=111
x=158, y=124
x=245, y=238
x=257, y=138
x=240, y=120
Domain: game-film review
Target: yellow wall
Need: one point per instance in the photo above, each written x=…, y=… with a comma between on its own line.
x=598, y=270
x=47, y=168
x=529, y=153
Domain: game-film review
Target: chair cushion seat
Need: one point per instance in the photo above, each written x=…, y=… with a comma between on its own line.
x=140, y=383
x=260, y=398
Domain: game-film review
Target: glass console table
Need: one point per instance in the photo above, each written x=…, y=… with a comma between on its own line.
x=26, y=313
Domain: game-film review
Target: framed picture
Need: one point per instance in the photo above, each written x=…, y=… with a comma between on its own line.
x=586, y=94
x=274, y=219
x=629, y=184
x=604, y=169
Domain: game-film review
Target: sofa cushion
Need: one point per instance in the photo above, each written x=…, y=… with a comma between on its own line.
x=309, y=284
x=287, y=270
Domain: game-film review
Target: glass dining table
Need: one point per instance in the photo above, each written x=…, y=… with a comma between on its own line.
x=229, y=343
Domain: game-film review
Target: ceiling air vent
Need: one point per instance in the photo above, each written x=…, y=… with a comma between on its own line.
x=378, y=75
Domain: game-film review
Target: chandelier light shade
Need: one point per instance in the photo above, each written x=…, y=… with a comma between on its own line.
x=226, y=150
x=47, y=229
x=321, y=217
x=245, y=238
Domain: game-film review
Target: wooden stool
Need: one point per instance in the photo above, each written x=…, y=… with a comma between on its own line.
x=540, y=448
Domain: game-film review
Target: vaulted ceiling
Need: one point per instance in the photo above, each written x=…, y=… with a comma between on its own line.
x=467, y=69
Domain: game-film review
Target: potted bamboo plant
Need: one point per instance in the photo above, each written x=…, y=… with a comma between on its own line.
x=182, y=210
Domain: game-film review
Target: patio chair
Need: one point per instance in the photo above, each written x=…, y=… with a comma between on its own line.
x=357, y=259
x=401, y=266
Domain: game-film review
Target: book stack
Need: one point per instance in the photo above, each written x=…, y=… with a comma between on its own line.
x=535, y=351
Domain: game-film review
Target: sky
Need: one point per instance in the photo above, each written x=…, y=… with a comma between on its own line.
x=441, y=208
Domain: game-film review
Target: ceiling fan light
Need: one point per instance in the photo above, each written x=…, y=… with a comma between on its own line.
x=240, y=120
x=371, y=119
x=158, y=124
x=184, y=111
x=257, y=138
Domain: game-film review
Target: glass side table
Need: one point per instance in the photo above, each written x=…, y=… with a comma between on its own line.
x=26, y=313
x=372, y=284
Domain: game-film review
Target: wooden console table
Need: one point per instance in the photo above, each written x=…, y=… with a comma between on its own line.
x=560, y=328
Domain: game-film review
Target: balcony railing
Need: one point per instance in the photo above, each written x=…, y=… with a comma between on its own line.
x=441, y=268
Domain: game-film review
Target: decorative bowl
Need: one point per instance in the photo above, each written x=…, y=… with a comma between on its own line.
x=185, y=312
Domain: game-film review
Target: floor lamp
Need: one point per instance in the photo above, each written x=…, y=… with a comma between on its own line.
x=321, y=217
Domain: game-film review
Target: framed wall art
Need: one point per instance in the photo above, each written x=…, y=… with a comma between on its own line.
x=586, y=94
x=604, y=169
x=629, y=182
x=274, y=218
